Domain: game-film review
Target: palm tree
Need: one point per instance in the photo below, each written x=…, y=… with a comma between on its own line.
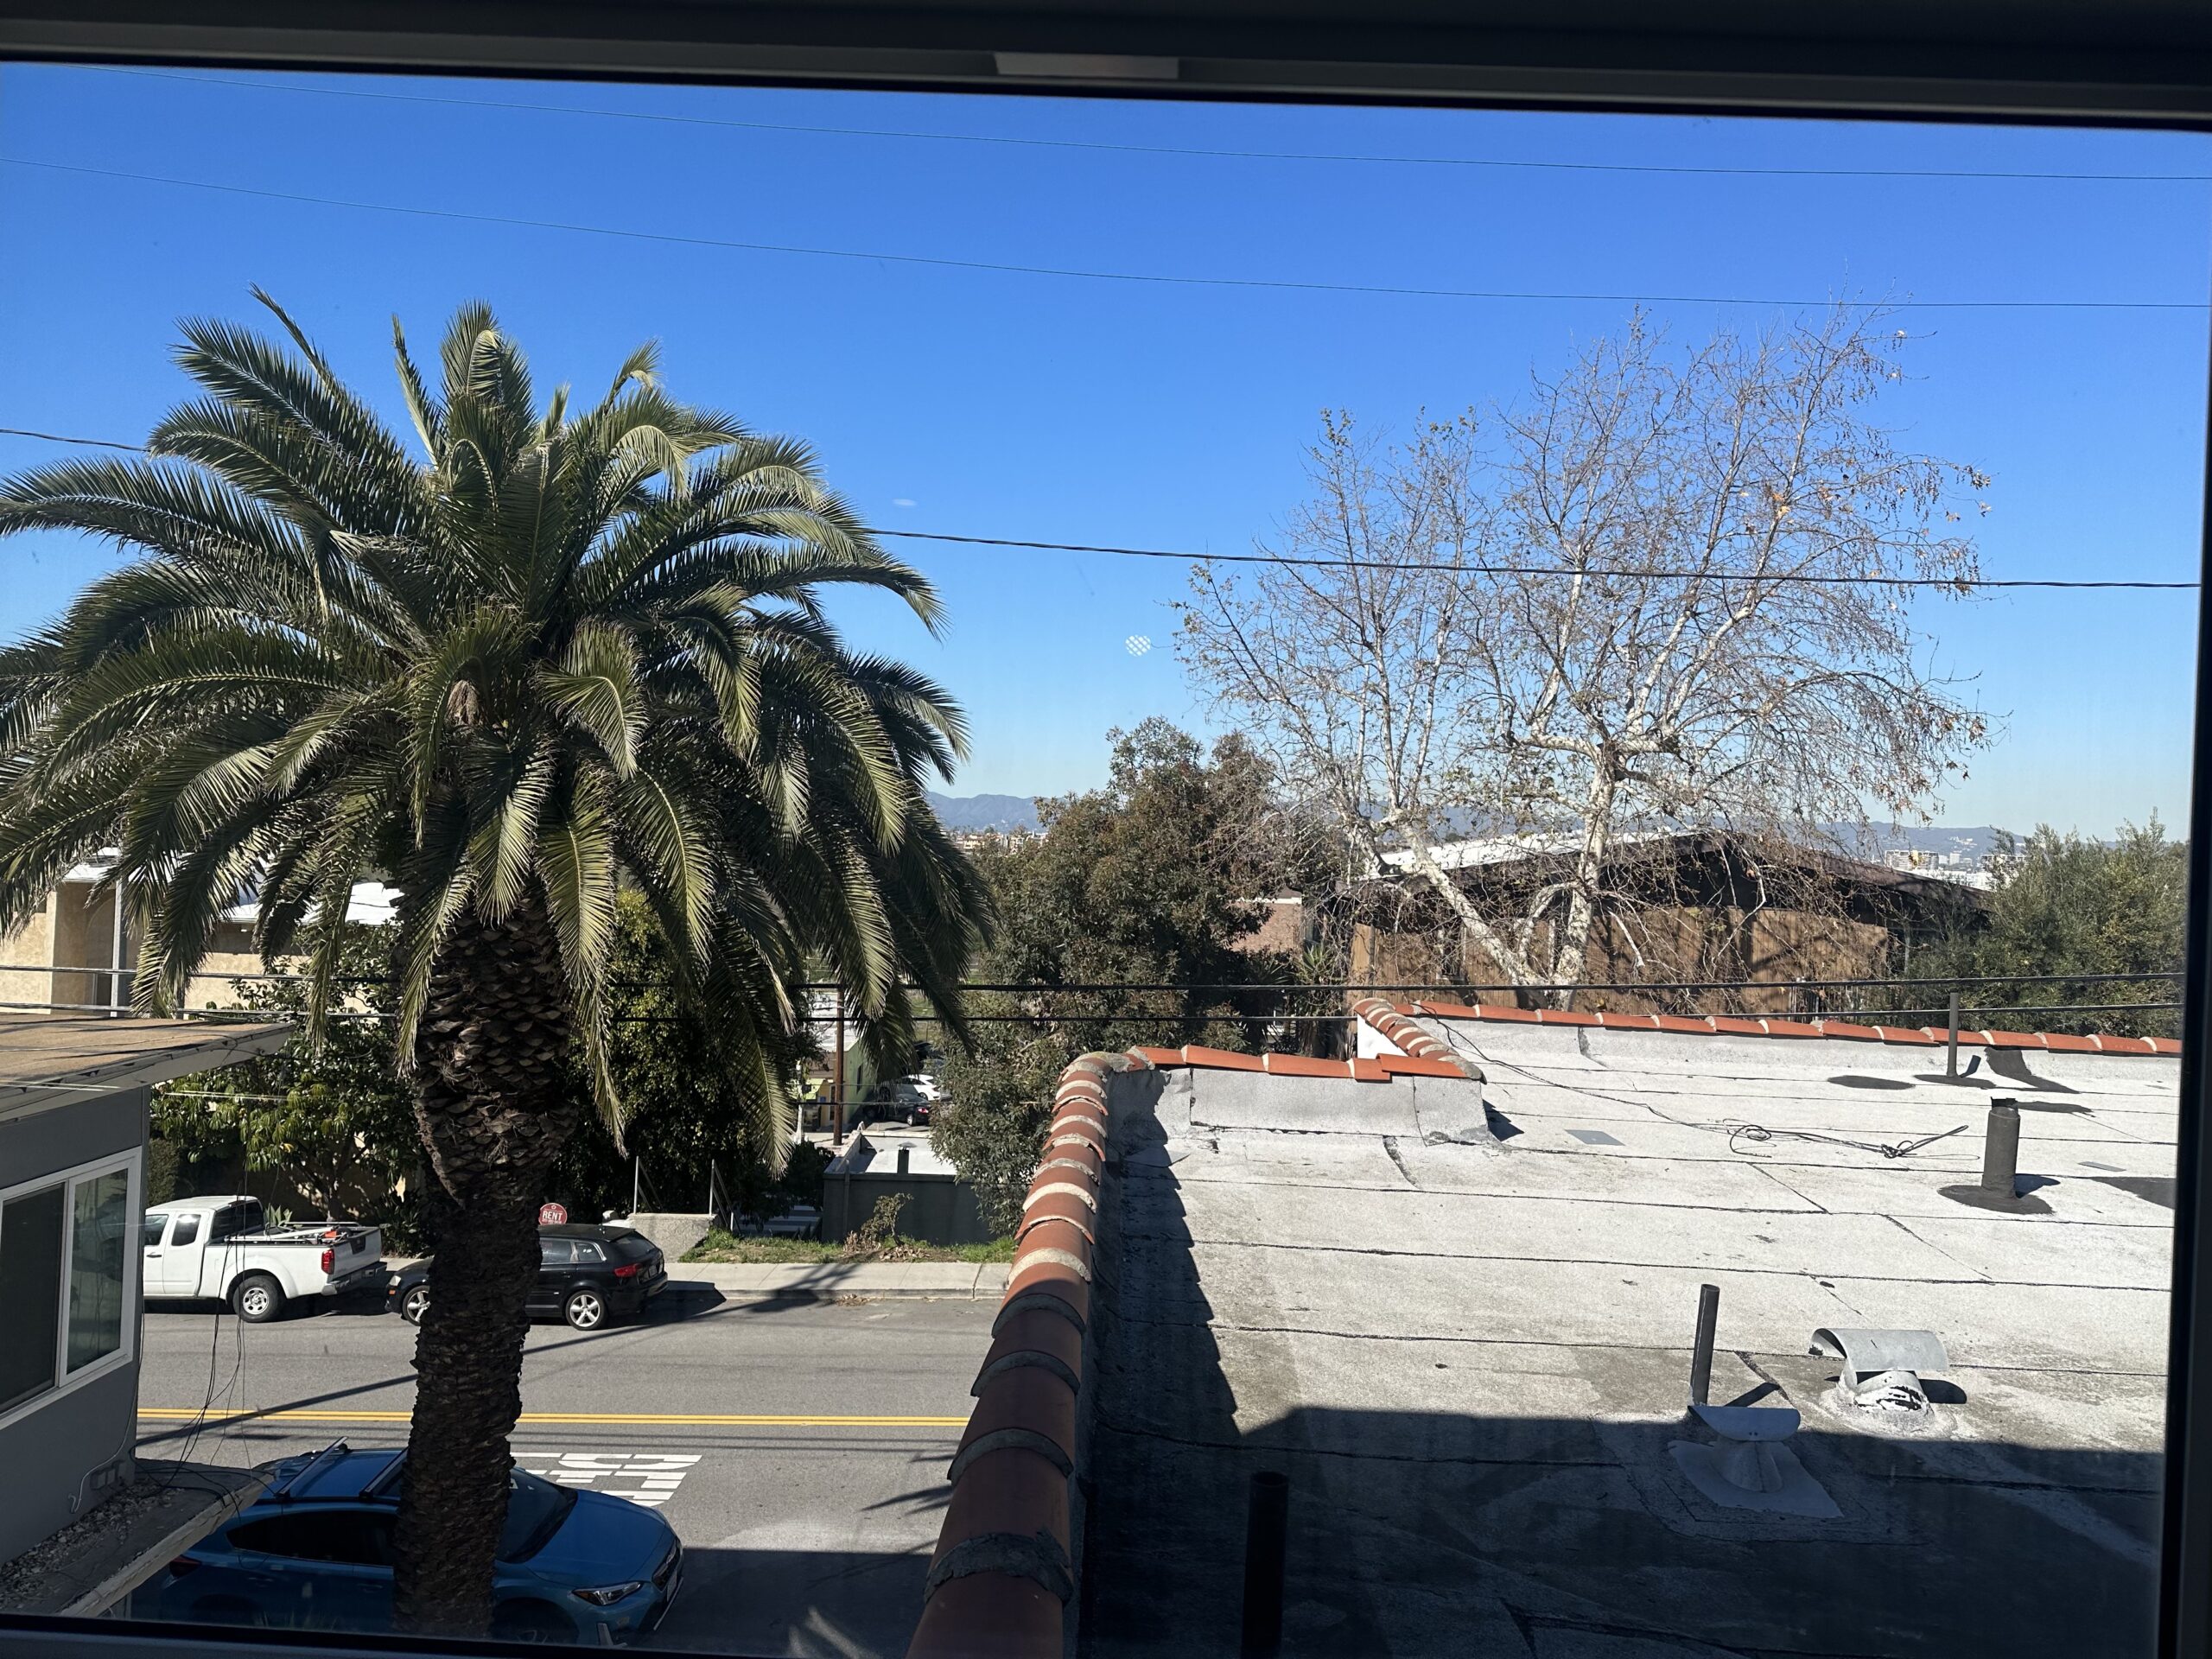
x=557, y=656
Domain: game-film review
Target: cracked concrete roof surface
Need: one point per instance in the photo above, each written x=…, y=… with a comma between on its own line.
x=1463, y=1329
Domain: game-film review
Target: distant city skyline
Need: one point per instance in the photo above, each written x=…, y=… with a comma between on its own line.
x=942, y=352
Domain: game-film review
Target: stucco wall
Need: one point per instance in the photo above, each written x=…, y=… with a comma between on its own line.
x=49, y=1451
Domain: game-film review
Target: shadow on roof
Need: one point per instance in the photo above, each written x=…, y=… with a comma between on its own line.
x=1555, y=1535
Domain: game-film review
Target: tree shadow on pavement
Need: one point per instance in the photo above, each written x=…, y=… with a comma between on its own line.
x=824, y=1603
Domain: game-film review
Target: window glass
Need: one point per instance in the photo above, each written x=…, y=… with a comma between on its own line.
x=360, y=1537
x=99, y=1227
x=30, y=1292
x=588, y=1252
x=150, y=1231
x=556, y=1252
x=187, y=1231
x=631, y=1247
x=235, y=1218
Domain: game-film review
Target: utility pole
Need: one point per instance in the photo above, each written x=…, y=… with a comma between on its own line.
x=838, y=1087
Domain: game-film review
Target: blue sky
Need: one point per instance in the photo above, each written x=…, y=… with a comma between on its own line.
x=1158, y=415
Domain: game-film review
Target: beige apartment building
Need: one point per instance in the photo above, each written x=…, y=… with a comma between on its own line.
x=78, y=953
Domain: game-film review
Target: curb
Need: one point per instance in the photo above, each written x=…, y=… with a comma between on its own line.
x=744, y=1282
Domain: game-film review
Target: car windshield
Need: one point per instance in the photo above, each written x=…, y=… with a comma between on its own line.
x=630, y=1247
x=536, y=1509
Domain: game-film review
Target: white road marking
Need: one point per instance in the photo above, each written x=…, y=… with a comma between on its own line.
x=648, y=1480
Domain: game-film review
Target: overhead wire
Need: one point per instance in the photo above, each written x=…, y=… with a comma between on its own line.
x=1736, y=1128
x=1622, y=573
x=1173, y=279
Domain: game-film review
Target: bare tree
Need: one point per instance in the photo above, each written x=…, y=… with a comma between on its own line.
x=1661, y=592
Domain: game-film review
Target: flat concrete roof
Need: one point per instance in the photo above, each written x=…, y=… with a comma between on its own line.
x=47, y=1060
x=1469, y=1348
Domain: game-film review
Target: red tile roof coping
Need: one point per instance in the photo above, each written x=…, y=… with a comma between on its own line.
x=1000, y=1581
x=1435, y=1062
x=1390, y=1018
x=988, y=1616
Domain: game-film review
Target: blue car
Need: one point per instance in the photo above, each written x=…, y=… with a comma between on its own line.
x=315, y=1553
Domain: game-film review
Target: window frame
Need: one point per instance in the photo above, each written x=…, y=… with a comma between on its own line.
x=1946, y=62
x=131, y=1165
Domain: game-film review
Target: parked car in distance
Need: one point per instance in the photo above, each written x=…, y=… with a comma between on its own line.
x=315, y=1551
x=222, y=1249
x=902, y=1100
x=587, y=1273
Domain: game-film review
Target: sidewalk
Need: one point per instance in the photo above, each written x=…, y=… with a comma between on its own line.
x=948, y=1280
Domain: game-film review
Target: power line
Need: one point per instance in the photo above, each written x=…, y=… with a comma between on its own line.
x=58, y=437
x=1495, y=163
x=1078, y=273
x=1464, y=567
x=1476, y=567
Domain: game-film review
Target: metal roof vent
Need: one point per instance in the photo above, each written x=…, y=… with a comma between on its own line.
x=1749, y=1465
x=1879, y=1378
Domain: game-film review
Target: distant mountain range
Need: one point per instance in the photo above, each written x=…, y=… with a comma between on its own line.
x=984, y=811
x=1968, y=842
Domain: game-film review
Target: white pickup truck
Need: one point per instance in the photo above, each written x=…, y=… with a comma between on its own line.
x=221, y=1249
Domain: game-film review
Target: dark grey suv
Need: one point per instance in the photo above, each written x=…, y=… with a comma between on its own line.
x=587, y=1274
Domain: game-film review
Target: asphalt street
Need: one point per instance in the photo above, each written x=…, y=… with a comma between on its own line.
x=797, y=1447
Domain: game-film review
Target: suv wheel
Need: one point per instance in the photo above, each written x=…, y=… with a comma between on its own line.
x=415, y=1304
x=258, y=1298
x=585, y=1309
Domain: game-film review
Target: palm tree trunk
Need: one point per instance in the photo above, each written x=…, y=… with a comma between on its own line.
x=494, y=1101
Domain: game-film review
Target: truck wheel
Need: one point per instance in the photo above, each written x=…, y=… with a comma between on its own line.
x=585, y=1309
x=258, y=1298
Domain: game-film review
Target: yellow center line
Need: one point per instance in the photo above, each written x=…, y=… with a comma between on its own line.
x=172, y=1414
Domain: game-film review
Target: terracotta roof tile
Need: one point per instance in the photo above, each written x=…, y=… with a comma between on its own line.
x=1419, y=1065
x=1028, y=1406
x=1015, y=1489
x=988, y=1616
x=1405, y=1035
x=1221, y=1060
x=1303, y=1065
x=1063, y=1207
x=1034, y=1333
x=1729, y=1025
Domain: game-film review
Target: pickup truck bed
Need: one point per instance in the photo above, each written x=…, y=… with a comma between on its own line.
x=219, y=1247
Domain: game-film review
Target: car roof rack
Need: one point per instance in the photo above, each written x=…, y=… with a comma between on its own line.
x=282, y=1492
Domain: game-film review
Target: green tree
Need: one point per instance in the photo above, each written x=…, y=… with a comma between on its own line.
x=1146, y=882
x=683, y=1112
x=557, y=655
x=2063, y=905
x=334, y=1116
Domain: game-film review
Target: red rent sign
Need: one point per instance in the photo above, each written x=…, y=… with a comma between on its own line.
x=551, y=1214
